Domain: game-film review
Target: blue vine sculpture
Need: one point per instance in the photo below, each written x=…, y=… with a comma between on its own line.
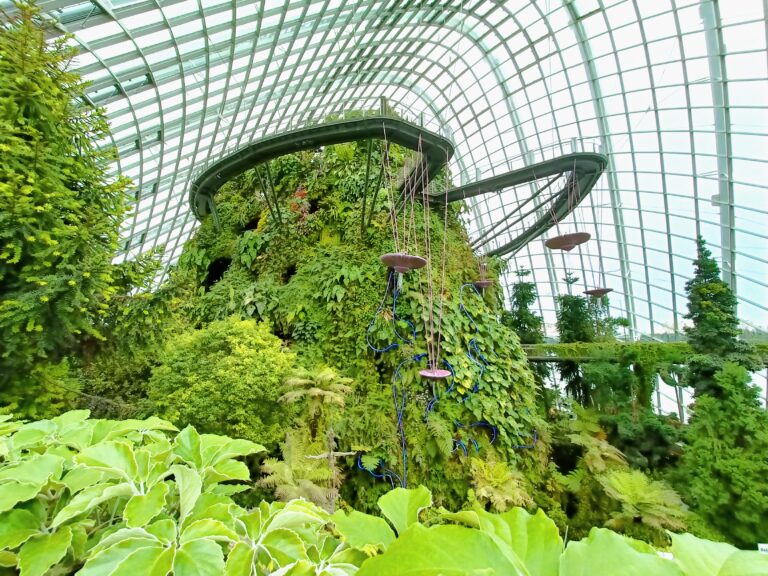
x=393, y=286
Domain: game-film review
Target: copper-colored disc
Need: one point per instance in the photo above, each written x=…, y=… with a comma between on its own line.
x=482, y=284
x=598, y=292
x=434, y=373
x=402, y=262
x=567, y=242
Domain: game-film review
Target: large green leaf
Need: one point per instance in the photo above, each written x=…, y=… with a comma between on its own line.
x=187, y=447
x=605, y=553
x=401, y=506
x=35, y=470
x=190, y=485
x=199, y=558
x=11, y=493
x=441, y=551
x=141, y=508
x=164, y=530
x=8, y=559
x=114, y=457
x=208, y=528
x=363, y=530
x=71, y=418
x=294, y=515
x=216, y=449
x=534, y=539
x=31, y=434
x=8, y=425
x=90, y=498
x=108, y=558
x=147, y=561
x=41, y=552
x=284, y=545
x=705, y=558
x=81, y=477
x=122, y=427
x=227, y=470
x=240, y=560
x=300, y=568
x=73, y=429
x=16, y=527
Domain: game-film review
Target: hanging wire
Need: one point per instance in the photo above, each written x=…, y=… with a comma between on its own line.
x=528, y=446
x=390, y=475
x=390, y=191
x=459, y=443
x=435, y=397
x=399, y=399
x=430, y=336
x=443, y=260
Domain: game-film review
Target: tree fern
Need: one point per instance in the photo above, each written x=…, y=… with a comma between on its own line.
x=296, y=476
x=643, y=500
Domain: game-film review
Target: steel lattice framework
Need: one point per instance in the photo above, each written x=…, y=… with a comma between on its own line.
x=673, y=91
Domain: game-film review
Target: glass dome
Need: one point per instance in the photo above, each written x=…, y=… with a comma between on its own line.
x=672, y=91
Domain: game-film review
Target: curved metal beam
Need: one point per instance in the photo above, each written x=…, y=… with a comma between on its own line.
x=436, y=151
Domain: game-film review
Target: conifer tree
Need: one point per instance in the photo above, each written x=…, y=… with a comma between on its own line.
x=59, y=208
x=715, y=330
x=528, y=325
x=724, y=467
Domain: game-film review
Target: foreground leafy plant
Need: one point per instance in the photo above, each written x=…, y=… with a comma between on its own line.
x=112, y=498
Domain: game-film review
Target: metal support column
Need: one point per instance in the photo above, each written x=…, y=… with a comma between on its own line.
x=713, y=32
x=605, y=141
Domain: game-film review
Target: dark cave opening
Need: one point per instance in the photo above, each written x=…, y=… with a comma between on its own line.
x=216, y=271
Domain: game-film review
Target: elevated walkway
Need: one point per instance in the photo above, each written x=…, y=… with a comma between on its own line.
x=583, y=169
x=435, y=151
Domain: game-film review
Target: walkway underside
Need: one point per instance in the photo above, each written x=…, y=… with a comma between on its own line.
x=582, y=171
x=576, y=174
x=435, y=152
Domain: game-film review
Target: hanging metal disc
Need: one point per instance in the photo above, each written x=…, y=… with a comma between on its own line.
x=598, y=292
x=434, y=373
x=483, y=284
x=567, y=242
x=402, y=262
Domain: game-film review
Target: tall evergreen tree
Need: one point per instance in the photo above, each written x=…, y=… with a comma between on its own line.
x=59, y=208
x=529, y=326
x=574, y=324
x=714, y=335
x=724, y=467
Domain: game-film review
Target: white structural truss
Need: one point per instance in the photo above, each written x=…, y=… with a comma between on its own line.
x=675, y=92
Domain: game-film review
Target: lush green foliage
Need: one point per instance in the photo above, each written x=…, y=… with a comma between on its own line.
x=116, y=497
x=225, y=378
x=724, y=469
x=309, y=265
x=715, y=330
x=581, y=319
x=263, y=332
x=599, y=488
x=528, y=325
x=59, y=210
x=135, y=497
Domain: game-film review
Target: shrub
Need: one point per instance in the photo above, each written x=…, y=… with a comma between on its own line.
x=225, y=378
